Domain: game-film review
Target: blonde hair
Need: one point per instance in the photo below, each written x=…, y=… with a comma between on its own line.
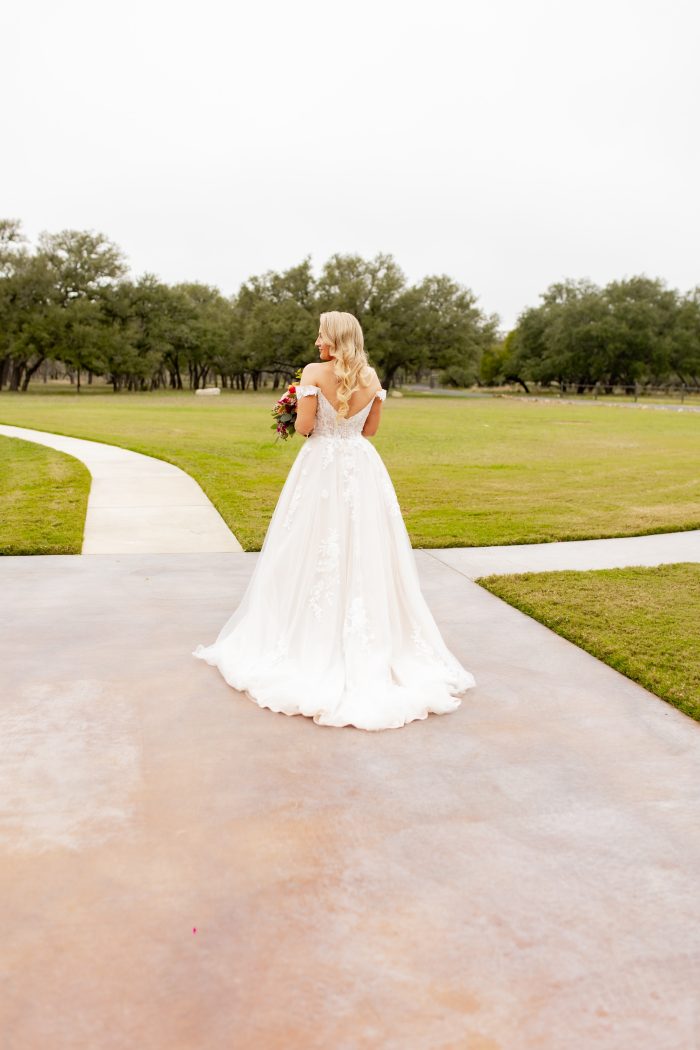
x=350, y=365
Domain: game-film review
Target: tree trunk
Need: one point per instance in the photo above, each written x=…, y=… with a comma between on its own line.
x=16, y=375
x=175, y=377
x=516, y=379
x=388, y=378
x=30, y=372
x=200, y=376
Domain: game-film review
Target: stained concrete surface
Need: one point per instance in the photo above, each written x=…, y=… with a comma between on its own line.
x=521, y=873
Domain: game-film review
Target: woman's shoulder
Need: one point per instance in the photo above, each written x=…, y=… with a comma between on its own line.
x=375, y=382
x=312, y=372
x=370, y=378
x=320, y=374
x=310, y=375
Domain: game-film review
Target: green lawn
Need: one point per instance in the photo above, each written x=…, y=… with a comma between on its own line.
x=44, y=499
x=467, y=472
x=645, y=622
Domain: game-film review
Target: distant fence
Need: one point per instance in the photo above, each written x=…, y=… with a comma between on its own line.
x=633, y=392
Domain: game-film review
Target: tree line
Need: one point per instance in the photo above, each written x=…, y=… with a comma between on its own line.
x=630, y=333
x=69, y=303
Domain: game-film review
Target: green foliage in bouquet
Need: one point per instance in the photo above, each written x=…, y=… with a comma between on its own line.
x=285, y=411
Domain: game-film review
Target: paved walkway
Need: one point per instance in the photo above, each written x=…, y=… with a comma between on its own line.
x=659, y=549
x=518, y=875
x=139, y=504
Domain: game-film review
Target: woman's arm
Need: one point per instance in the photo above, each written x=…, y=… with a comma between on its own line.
x=375, y=413
x=306, y=406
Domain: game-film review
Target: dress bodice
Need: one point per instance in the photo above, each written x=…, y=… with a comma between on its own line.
x=328, y=423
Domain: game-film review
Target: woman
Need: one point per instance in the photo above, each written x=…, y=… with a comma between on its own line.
x=333, y=623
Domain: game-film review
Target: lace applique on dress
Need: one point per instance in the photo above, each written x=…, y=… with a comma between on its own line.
x=296, y=499
x=427, y=650
x=292, y=507
x=280, y=652
x=349, y=481
x=356, y=623
x=420, y=642
x=299, y=490
x=328, y=451
x=390, y=497
x=328, y=572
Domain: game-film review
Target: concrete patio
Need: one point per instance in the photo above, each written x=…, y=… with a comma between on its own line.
x=521, y=873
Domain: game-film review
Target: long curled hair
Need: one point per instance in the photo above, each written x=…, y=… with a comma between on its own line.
x=343, y=333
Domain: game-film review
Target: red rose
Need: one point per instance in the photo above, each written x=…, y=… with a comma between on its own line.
x=292, y=389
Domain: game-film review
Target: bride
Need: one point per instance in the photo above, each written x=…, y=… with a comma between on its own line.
x=333, y=623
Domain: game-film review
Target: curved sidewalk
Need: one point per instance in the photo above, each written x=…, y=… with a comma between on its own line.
x=139, y=504
x=659, y=549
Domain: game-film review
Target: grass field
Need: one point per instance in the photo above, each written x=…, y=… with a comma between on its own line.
x=467, y=472
x=645, y=622
x=44, y=499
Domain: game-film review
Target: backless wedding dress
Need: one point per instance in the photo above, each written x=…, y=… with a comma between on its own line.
x=333, y=623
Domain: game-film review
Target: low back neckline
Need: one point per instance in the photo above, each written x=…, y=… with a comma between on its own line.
x=329, y=402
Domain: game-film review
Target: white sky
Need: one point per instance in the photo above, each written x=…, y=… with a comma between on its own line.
x=507, y=143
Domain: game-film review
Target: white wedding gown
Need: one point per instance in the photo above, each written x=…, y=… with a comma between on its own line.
x=333, y=623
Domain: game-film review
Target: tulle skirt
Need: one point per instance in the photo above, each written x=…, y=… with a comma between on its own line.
x=333, y=623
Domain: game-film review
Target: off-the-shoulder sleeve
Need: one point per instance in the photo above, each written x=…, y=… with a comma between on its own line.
x=302, y=391
x=381, y=394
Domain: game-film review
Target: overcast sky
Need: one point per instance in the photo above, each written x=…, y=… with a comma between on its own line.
x=507, y=143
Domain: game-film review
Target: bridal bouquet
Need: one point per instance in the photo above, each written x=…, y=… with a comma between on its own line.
x=285, y=410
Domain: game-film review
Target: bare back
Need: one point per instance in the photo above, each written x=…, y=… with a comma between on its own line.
x=325, y=379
